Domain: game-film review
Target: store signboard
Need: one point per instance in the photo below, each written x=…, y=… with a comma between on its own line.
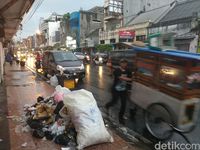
x=126, y=34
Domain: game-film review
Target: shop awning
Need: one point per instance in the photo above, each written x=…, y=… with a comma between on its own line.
x=11, y=15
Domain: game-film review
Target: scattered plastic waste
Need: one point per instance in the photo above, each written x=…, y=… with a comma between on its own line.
x=24, y=144
x=124, y=130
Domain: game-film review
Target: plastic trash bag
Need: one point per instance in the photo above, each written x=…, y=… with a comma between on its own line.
x=59, y=93
x=54, y=81
x=58, y=127
x=87, y=118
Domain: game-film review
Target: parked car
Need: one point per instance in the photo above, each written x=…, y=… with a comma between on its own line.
x=128, y=54
x=62, y=62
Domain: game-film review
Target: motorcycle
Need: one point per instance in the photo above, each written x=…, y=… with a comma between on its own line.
x=38, y=65
x=22, y=61
x=87, y=59
x=98, y=60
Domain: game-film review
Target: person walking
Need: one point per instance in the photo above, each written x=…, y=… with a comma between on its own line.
x=9, y=58
x=120, y=87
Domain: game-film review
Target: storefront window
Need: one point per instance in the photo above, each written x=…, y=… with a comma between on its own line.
x=193, y=81
x=141, y=38
x=172, y=77
x=174, y=62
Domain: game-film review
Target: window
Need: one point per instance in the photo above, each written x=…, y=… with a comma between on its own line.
x=129, y=54
x=193, y=81
x=147, y=56
x=145, y=68
x=166, y=42
x=172, y=61
x=112, y=40
x=172, y=77
x=195, y=64
x=141, y=38
x=64, y=56
x=102, y=42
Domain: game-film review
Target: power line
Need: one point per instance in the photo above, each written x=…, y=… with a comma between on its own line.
x=33, y=11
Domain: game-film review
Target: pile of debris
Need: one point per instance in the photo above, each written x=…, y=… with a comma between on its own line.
x=69, y=118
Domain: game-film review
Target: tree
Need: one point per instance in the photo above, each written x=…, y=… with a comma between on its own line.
x=104, y=47
x=56, y=46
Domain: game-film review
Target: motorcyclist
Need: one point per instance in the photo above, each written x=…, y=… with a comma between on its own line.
x=38, y=60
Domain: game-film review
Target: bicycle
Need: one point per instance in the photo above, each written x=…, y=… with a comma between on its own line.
x=160, y=122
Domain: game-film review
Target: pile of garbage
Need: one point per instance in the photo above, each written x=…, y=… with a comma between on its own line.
x=69, y=118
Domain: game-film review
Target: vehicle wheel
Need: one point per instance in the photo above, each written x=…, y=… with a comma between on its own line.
x=22, y=64
x=158, y=121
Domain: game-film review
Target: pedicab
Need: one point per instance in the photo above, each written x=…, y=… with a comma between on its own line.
x=168, y=83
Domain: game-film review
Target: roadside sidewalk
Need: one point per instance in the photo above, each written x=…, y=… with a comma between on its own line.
x=23, y=88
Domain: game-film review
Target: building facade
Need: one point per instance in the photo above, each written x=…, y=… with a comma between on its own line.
x=180, y=21
x=74, y=27
x=113, y=19
x=82, y=27
x=90, y=23
x=137, y=16
x=64, y=29
x=48, y=27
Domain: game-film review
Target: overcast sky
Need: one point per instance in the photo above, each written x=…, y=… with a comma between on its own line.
x=58, y=6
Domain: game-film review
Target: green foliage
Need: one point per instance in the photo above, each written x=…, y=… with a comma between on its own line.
x=56, y=46
x=66, y=16
x=104, y=47
x=48, y=48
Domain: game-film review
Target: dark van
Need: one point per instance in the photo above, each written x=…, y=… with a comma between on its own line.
x=63, y=62
x=128, y=54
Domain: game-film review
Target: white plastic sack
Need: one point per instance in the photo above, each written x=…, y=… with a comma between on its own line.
x=54, y=81
x=86, y=118
x=62, y=89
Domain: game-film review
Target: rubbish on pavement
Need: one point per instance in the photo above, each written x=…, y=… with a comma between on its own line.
x=59, y=93
x=18, y=129
x=26, y=129
x=58, y=127
x=44, y=139
x=66, y=118
x=54, y=81
x=67, y=148
x=24, y=144
x=58, y=96
x=86, y=118
x=123, y=129
x=38, y=133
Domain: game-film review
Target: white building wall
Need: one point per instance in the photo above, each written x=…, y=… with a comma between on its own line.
x=53, y=26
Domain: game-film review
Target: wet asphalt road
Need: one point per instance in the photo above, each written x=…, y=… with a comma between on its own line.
x=99, y=82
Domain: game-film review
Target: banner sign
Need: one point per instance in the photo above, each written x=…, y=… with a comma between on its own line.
x=126, y=34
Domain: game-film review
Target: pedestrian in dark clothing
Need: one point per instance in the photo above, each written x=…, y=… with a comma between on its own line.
x=120, y=88
x=9, y=58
